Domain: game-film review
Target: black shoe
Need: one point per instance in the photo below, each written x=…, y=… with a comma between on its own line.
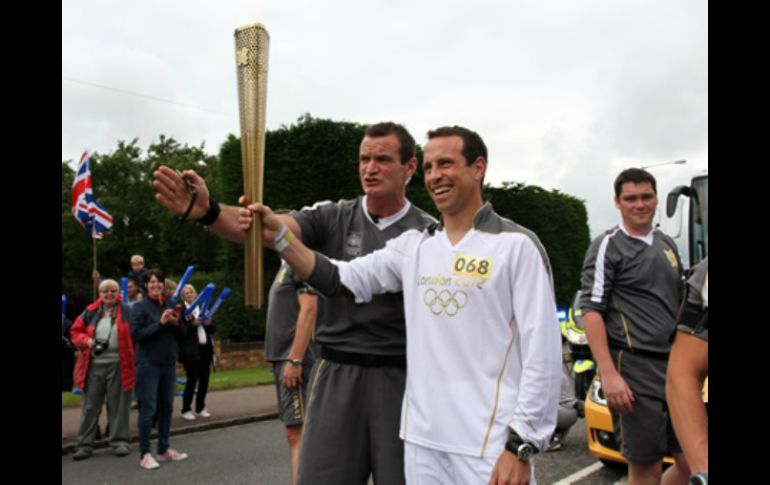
x=556, y=442
x=122, y=450
x=81, y=454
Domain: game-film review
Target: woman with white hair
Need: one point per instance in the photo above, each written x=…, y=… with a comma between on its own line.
x=105, y=368
x=196, y=352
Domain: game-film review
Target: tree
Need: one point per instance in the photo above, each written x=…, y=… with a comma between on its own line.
x=312, y=160
x=122, y=183
x=560, y=222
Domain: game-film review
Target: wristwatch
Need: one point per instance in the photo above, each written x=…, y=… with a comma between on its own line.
x=699, y=478
x=523, y=451
x=295, y=362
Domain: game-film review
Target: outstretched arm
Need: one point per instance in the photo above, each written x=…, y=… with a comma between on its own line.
x=172, y=194
x=276, y=233
x=232, y=221
x=375, y=273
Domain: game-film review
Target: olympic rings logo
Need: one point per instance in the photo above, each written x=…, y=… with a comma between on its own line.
x=445, y=301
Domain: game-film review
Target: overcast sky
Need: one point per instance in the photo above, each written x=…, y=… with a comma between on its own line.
x=565, y=93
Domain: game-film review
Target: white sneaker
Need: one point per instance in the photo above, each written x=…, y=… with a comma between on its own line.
x=204, y=413
x=171, y=455
x=189, y=416
x=148, y=462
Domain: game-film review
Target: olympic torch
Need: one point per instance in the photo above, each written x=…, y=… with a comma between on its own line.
x=251, y=49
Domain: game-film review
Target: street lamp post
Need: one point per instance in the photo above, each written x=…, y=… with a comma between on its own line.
x=677, y=162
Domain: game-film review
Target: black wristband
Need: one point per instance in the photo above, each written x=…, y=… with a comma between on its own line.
x=183, y=217
x=212, y=214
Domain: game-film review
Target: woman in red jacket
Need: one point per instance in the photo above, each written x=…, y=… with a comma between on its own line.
x=105, y=367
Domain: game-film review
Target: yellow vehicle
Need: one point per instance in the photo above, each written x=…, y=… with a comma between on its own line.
x=599, y=430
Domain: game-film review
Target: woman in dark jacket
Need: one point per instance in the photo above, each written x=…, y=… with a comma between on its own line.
x=105, y=368
x=156, y=330
x=196, y=352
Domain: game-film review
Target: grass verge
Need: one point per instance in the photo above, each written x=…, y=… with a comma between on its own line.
x=220, y=380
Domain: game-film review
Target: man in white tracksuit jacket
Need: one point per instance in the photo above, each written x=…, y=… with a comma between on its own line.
x=483, y=345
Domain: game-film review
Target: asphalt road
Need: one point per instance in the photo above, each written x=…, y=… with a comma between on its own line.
x=257, y=454
x=248, y=454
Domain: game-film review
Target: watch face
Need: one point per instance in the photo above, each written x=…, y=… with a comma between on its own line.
x=525, y=452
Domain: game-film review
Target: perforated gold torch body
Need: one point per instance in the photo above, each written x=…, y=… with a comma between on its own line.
x=251, y=52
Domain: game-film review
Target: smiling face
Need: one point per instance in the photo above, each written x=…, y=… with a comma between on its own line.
x=380, y=169
x=453, y=183
x=154, y=287
x=637, y=204
x=108, y=292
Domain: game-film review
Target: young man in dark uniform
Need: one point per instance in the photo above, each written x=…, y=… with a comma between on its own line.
x=290, y=346
x=631, y=285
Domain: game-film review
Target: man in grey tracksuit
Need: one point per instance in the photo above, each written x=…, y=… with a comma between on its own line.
x=351, y=428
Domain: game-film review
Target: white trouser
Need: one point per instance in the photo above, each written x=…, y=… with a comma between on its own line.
x=426, y=466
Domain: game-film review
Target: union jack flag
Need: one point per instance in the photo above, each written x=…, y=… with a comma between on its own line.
x=89, y=213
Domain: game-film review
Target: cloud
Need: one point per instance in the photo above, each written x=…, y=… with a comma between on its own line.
x=565, y=94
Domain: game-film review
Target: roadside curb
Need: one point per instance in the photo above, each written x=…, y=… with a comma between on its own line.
x=193, y=428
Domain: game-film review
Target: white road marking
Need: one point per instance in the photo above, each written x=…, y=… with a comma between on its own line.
x=580, y=474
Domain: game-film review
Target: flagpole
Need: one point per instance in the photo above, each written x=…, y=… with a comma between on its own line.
x=93, y=217
x=92, y=278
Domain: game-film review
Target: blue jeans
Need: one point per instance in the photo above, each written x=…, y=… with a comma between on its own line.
x=155, y=385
